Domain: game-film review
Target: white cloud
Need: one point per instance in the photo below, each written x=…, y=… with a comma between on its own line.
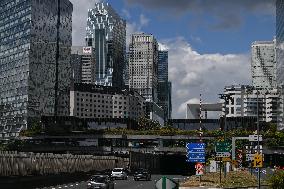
x=134, y=27
x=126, y=13
x=143, y=20
x=193, y=73
x=79, y=19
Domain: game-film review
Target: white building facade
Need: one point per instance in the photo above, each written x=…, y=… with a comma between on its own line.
x=244, y=100
x=93, y=101
x=143, y=65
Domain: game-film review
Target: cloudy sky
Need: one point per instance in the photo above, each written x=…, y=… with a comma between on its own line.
x=208, y=40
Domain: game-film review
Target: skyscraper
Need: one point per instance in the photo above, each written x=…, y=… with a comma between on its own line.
x=143, y=65
x=163, y=70
x=106, y=32
x=83, y=65
x=263, y=64
x=35, y=71
x=164, y=86
x=280, y=42
x=280, y=58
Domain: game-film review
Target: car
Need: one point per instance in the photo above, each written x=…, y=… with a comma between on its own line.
x=119, y=173
x=142, y=174
x=100, y=182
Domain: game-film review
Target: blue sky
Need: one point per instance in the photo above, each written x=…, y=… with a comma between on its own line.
x=198, y=28
x=208, y=40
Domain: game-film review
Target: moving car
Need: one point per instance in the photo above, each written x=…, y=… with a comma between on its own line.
x=119, y=173
x=142, y=174
x=100, y=182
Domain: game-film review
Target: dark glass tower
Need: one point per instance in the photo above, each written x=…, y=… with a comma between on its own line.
x=164, y=86
x=280, y=58
x=35, y=48
x=280, y=42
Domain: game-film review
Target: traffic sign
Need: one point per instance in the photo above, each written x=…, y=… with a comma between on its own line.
x=195, y=152
x=166, y=183
x=249, y=157
x=257, y=160
x=199, y=169
x=223, y=147
x=254, y=138
x=225, y=159
x=223, y=154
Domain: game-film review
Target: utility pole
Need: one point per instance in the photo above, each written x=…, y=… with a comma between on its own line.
x=258, y=148
x=226, y=98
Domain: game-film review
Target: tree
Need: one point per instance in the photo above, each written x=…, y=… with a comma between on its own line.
x=277, y=179
x=145, y=124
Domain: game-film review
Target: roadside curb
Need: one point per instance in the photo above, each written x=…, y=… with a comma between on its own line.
x=201, y=187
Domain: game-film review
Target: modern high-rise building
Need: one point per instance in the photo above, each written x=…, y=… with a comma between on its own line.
x=106, y=33
x=263, y=64
x=280, y=42
x=164, y=98
x=35, y=70
x=164, y=86
x=83, y=65
x=163, y=67
x=280, y=58
x=143, y=65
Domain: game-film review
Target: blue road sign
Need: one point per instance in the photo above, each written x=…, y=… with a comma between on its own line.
x=195, y=152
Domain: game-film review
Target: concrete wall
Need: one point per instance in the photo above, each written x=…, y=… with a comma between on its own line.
x=23, y=164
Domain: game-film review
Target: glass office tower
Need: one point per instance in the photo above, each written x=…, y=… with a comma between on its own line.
x=106, y=32
x=280, y=42
x=163, y=70
x=280, y=58
x=35, y=71
x=164, y=86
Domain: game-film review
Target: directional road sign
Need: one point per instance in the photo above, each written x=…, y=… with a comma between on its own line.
x=257, y=160
x=195, y=152
x=223, y=147
x=253, y=138
x=223, y=154
x=166, y=183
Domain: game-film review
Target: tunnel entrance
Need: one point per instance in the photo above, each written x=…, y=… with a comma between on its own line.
x=170, y=164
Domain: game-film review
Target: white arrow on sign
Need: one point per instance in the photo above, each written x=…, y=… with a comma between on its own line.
x=165, y=183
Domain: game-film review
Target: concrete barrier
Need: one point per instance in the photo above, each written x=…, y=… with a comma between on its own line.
x=28, y=163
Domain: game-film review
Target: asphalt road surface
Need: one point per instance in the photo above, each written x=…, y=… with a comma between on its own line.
x=122, y=184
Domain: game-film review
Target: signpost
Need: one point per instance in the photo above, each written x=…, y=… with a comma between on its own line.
x=195, y=152
x=166, y=183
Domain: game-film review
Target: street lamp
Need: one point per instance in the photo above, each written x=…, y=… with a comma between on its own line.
x=250, y=89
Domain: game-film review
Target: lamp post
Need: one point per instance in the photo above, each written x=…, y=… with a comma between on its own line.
x=226, y=98
x=257, y=128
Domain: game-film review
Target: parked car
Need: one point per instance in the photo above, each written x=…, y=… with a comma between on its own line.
x=100, y=182
x=119, y=173
x=142, y=174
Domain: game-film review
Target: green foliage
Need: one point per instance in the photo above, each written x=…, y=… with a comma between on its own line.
x=277, y=179
x=147, y=124
x=35, y=128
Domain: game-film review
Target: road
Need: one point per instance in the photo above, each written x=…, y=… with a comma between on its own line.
x=121, y=184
